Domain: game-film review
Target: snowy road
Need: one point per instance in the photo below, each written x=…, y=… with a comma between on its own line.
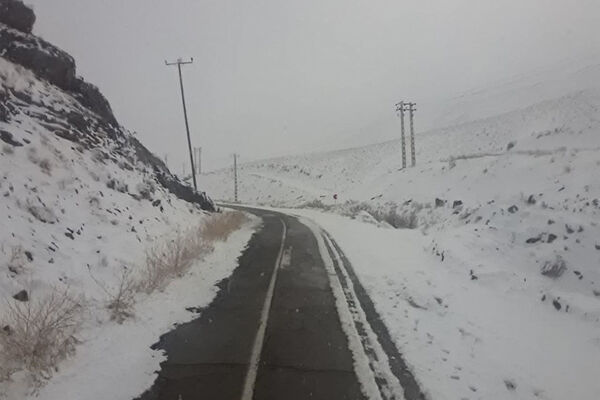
x=292, y=322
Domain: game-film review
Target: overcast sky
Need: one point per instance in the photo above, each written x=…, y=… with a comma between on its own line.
x=276, y=77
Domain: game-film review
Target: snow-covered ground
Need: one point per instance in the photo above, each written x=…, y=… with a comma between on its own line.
x=496, y=294
x=81, y=205
x=115, y=361
x=486, y=338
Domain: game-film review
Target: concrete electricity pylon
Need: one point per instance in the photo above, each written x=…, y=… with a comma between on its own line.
x=198, y=159
x=235, y=178
x=411, y=110
x=179, y=63
x=403, y=107
x=400, y=107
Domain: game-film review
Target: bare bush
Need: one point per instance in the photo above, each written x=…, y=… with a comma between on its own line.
x=407, y=219
x=45, y=166
x=174, y=257
x=555, y=268
x=171, y=259
x=38, y=334
x=121, y=301
x=316, y=203
x=220, y=226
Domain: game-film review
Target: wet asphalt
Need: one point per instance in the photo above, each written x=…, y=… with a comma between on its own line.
x=305, y=352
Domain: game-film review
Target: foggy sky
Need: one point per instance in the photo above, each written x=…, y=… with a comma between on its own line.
x=276, y=77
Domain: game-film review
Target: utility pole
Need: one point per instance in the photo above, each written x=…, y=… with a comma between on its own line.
x=400, y=108
x=235, y=178
x=198, y=159
x=411, y=110
x=179, y=63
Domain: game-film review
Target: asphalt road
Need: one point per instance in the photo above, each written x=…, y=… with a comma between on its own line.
x=275, y=331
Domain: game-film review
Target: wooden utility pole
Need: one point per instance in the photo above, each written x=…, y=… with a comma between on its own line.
x=179, y=63
x=235, y=178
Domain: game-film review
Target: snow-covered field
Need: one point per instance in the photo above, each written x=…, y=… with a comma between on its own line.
x=496, y=294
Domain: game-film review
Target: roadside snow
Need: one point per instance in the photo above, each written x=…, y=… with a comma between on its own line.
x=116, y=361
x=484, y=338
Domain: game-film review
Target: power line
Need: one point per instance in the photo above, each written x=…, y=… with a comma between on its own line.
x=179, y=63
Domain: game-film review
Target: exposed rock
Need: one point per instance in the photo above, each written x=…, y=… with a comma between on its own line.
x=556, y=304
x=531, y=199
x=45, y=60
x=17, y=15
x=7, y=137
x=551, y=238
x=22, y=296
x=510, y=145
x=457, y=203
x=439, y=202
x=90, y=97
x=513, y=209
x=532, y=240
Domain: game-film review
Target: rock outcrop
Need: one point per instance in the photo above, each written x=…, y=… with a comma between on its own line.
x=17, y=15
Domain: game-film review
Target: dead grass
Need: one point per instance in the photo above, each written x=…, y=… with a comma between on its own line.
x=220, y=226
x=174, y=257
x=38, y=334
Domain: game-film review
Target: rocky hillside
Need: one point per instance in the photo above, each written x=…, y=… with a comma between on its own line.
x=82, y=201
x=39, y=84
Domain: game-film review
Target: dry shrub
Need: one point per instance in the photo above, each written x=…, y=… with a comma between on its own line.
x=37, y=334
x=173, y=258
x=46, y=166
x=220, y=226
x=121, y=300
x=555, y=268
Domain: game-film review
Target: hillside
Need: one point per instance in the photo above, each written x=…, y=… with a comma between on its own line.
x=84, y=207
x=500, y=278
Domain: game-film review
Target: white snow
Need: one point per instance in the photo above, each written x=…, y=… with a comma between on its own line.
x=479, y=334
x=115, y=361
x=73, y=219
x=468, y=295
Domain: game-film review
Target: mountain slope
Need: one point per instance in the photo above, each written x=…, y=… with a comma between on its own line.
x=496, y=293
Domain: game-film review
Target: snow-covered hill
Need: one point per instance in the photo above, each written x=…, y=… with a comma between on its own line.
x=508, y=212
x=82, y=204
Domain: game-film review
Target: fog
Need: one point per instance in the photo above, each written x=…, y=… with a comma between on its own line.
x=274, y=77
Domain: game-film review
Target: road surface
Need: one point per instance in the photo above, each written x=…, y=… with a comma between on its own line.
x=291, y=323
